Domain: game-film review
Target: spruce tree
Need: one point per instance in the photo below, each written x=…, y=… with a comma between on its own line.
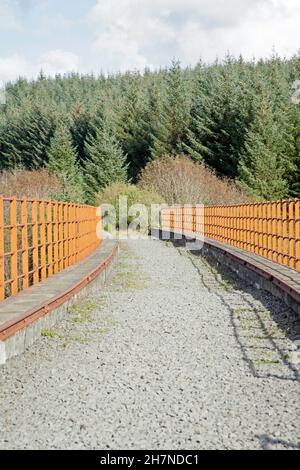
x=160, y=112
x=173, y=120
x=27, y=137
x=106, y=162
x=80, y=129
x=228, y=113
x=263, y=164
x=141, y=108
x=62, y=162
x=201, y=123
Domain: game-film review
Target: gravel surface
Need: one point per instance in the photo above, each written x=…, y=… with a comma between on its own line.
x=171, y=354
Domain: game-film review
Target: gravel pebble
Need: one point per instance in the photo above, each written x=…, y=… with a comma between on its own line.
x=170, y=354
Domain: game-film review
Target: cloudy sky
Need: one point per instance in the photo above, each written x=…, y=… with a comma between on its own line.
x=109, y=35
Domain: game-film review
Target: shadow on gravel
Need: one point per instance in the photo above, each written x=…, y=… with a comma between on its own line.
x=269, y=443
x=262, y=324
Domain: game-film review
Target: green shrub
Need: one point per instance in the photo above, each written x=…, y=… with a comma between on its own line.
x=135, y=195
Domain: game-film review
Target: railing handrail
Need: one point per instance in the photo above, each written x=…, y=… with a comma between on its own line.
x=269, y=229
x=40, y=237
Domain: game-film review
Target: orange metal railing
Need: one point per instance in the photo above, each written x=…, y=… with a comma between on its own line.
x=270, y=229
x=39, y=238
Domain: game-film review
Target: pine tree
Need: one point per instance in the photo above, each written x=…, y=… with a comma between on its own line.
x=201, y=124
x=229, y=114
x=106, y=162
x=27, y=137
x=141, y=108
x=210, y=112
x=80, y=129
x=263, y=164
x=173, y=121
x=62, y=162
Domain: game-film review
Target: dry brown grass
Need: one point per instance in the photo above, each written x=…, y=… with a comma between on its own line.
x=181, y=181
x=32, y=184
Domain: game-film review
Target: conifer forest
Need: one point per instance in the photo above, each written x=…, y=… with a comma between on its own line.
x=239, y=118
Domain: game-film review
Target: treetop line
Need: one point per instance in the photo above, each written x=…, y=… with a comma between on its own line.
x=237, y=117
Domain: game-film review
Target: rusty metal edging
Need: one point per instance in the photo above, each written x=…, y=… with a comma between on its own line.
x=293, y=292
x=11, y=327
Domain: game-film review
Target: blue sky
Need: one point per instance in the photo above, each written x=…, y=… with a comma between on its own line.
x=109, y=35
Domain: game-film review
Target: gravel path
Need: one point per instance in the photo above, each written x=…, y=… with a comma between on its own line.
x=169, y=355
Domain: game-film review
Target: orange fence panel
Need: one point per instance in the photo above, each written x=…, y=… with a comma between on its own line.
x=39, y=238
x=269, y=229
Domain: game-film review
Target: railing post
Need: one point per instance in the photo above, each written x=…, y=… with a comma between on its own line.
x=172, y=218
x=279, y=232
x=49, y=238
x=72, y=250
x=247, y=216
x=76, y=233
x=260, y=229
x=56, y=237
x=43, y=239
x=285, y=233
x=228, y=227
x=274, y=232
x=60, y=237
x=14, y=246
x=35, y=250
x=291, y=238
x=70, y=233
x=243, y=227
x=194, y=222
x=269, y=232
x=255, y=229
x=297, y=234
x=232, y=221
x=79, y=229
x=66, y=234
x=24, y=223
x=213, y=221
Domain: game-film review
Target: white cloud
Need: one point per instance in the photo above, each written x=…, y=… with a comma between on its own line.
x=14, y=66
x=53, y=62
x=132, y=34
x=118, y=51
x=59, y=61
x=135, y=33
